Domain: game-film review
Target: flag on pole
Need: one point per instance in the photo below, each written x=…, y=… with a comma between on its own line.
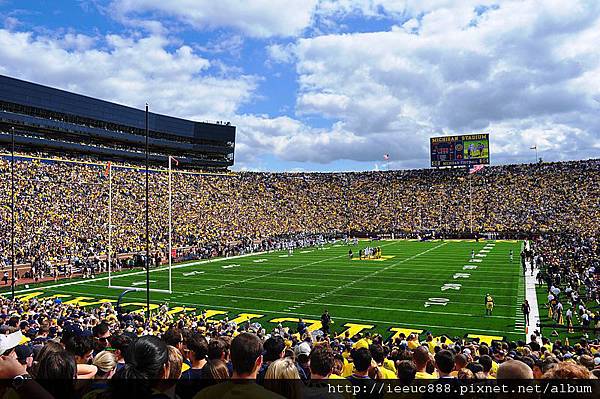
x=475, y=169
x=386, y=157
x=533, y=148
x=174, y=160
x=107, y=170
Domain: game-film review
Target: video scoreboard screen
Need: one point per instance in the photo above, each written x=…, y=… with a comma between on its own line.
x=464, y=150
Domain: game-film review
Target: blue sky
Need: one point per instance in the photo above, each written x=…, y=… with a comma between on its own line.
x=330, y=85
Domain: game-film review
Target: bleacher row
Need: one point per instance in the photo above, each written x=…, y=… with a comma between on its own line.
x=62, y=207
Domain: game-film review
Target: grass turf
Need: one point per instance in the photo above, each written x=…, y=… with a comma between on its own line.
x=382, y=294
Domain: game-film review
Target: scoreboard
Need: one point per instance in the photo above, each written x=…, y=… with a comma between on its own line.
x=464, y=150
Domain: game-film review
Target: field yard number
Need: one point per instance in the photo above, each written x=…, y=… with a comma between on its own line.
x=451, y=286
x=461, y=275
x=436, y=301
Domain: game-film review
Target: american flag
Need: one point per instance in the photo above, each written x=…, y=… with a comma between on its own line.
x=386, y=157
x=475, y=169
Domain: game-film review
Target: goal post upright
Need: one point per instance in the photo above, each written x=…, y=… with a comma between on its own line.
x=111, y=277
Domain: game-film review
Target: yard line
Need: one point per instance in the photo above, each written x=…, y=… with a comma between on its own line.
x=400, y=277
x=267, y=299
x=326, y=294
x=436, y=277
x=158, y=269
x=387, y=290
x=309, y=316
x=388, y=272
x=279, y=283
x=272, y=273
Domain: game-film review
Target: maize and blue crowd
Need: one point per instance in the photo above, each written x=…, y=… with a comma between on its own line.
x=98, y=352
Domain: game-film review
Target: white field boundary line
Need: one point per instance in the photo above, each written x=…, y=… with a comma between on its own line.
x=341, y=295
x=388, y=290
x=266, y=275
x=307, y=316
x=331, y=305
x=184, y=284
x=251, y=298
x=351, y=268
x=531, y=296
x=158, y=269
x=311, y=276
x=341, y=287
x=387, y=277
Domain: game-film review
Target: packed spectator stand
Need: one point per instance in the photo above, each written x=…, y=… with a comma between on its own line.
x=62, y=213
x=62, y=207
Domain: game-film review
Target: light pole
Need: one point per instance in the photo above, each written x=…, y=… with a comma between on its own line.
x=12, y=211
x=171, y=219
x=147, y=227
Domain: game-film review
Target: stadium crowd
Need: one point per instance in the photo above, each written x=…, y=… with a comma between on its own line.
x=62, y=207
x=94, y=352
x=570, y=271
x=62, y=213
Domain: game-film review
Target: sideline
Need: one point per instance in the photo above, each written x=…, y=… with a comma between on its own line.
x=531, y=296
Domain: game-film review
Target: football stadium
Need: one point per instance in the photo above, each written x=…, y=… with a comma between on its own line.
x=133, y=248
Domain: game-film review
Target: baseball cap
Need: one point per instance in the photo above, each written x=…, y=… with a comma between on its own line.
x=10, y=341
x=302, y=349
x=23, y=352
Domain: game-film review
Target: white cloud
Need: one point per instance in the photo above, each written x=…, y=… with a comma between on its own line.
x=530, y=68
x=281, y=53
x=256, y=18
x=526, y=72
x=128, y=70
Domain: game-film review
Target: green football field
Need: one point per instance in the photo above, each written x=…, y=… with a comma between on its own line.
x=418, y=286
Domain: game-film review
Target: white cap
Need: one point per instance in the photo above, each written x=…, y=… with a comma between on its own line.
x=302, y=349
x=10, y=341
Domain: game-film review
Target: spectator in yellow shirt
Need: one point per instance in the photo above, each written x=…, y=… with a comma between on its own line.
x=413, y=341
x=460, y=362
x=486, y=362
x=422, y=359
x=378, y=355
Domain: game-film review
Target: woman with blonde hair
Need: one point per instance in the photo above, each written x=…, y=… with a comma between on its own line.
x=106, y=362
x=279, y=376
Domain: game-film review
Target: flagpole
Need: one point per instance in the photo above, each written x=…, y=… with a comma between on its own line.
x=109, y=223
x=440, y=219
x=471, y=202
x=536, y=153
x=170, y=225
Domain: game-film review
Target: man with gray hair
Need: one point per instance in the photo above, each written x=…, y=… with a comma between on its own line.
x=514, y=370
